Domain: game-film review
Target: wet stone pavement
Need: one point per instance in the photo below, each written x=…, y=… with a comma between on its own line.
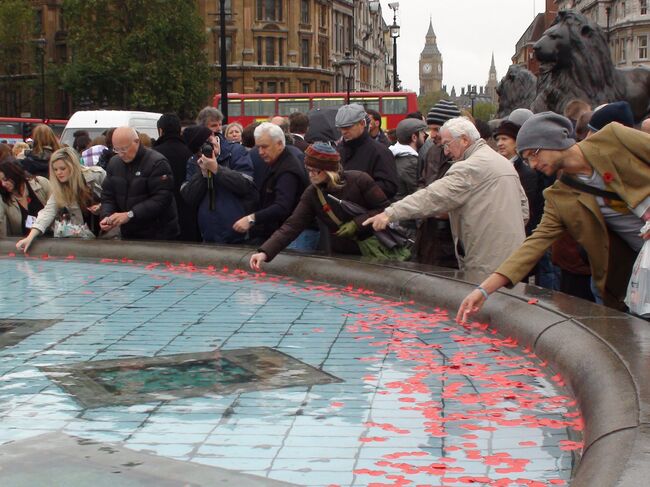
x=400, y=395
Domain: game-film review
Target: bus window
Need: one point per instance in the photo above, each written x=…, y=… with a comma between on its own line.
x=234, y=108
x=328, y=102
x=287, y=107
x=394, y=105
x=9, y=128
x=366, y=102
x=259, y=108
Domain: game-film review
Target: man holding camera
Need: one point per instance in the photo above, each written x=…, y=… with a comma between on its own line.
x=219, y=184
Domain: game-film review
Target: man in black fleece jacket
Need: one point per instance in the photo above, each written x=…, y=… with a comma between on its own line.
x=361, y=153
x=280, y=179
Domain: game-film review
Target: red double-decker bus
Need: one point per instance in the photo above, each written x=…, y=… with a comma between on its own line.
x=16, y=129
x=393, y=106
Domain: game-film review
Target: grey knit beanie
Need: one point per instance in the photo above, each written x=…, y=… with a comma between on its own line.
x=441, y=112
x=546, y=130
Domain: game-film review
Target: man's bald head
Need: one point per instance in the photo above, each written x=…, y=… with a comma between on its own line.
x=126, y=143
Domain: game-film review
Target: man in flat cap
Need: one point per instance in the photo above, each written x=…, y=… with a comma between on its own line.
x=601, y=200
x=359, y=152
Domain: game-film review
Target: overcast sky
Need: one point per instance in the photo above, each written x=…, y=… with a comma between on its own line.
x=467, y=32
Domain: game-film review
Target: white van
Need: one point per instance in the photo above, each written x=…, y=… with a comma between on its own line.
x=95, y=122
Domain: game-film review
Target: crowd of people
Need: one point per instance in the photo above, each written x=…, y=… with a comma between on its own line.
x=560, y=199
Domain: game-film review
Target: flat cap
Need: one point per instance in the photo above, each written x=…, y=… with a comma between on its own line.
x=349, y=115
x=408, y=127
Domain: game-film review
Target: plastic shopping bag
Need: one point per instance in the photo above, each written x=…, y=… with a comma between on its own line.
x=638, y=290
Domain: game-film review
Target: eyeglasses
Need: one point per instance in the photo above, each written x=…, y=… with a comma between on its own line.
x=447, y=144
x=313, y=170
x=122, y=150
x=531, y=156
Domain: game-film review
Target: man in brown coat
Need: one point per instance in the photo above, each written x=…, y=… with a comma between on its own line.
x=616, y=160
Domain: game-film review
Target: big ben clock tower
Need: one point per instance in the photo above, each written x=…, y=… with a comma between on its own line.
x=430, y=64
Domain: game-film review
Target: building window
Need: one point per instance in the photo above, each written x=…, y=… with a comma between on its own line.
x=260, y=59
x=304, y=11
x=269, y=10
x=270, y=51
x=643, y=47
x=281, y=52
x=306, y=87
x=323, y=53
x=623, y=56
x=304, y=52
x=644, y=6
x=323, y=15
x=217, y=49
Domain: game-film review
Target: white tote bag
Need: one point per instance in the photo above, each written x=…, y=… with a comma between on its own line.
x=638, y=290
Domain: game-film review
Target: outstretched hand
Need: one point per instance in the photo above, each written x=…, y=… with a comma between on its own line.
x=471, y=305
x=256, y=261
x=379, y=222
x=24, y=244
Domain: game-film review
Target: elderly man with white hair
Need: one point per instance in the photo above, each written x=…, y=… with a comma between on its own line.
x=482, y=196
x=280, y=179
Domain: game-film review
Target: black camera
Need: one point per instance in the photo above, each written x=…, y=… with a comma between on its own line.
x=207, y=149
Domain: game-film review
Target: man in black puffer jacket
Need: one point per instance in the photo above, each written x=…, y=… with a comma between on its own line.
x=138, y=192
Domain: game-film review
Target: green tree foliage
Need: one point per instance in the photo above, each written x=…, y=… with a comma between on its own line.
x=137, y=54
x=485, y=111
x=17, y=56
x=16, y=17
x=425, y=102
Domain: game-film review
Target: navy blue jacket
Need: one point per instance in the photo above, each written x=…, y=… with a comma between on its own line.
x=233, y=196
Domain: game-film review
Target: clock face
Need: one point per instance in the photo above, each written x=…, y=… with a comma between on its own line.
x=426, y=68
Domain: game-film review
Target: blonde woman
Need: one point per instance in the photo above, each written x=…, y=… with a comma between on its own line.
x=75, y=188
x=233, y=132
x=36, y=161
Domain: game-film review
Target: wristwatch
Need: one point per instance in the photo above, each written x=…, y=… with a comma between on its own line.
x=251, y=220
x=130, y=214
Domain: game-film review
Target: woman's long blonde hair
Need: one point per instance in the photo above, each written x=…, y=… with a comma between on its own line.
x=44, y=137
x=75, y=190
x=335, y=179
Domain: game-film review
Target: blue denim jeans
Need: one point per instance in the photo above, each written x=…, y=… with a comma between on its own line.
x=307, y=241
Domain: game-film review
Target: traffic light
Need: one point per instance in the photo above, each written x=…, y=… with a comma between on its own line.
x=27, y=130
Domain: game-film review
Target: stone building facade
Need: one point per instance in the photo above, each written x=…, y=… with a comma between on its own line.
x=629, y=26
x=271, y=45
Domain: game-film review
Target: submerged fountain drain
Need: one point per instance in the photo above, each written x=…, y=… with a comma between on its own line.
x=146, y=379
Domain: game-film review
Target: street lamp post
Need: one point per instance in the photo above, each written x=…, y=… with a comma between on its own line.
x=394, y=33
x=347, y=65
x=223, y=60
x=472, y=97
x=41, y=44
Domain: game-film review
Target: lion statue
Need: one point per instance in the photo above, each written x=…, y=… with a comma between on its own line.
x=575, y=63
x=517, y=89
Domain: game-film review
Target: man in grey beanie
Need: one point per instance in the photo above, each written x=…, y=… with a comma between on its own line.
x=601, y=200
